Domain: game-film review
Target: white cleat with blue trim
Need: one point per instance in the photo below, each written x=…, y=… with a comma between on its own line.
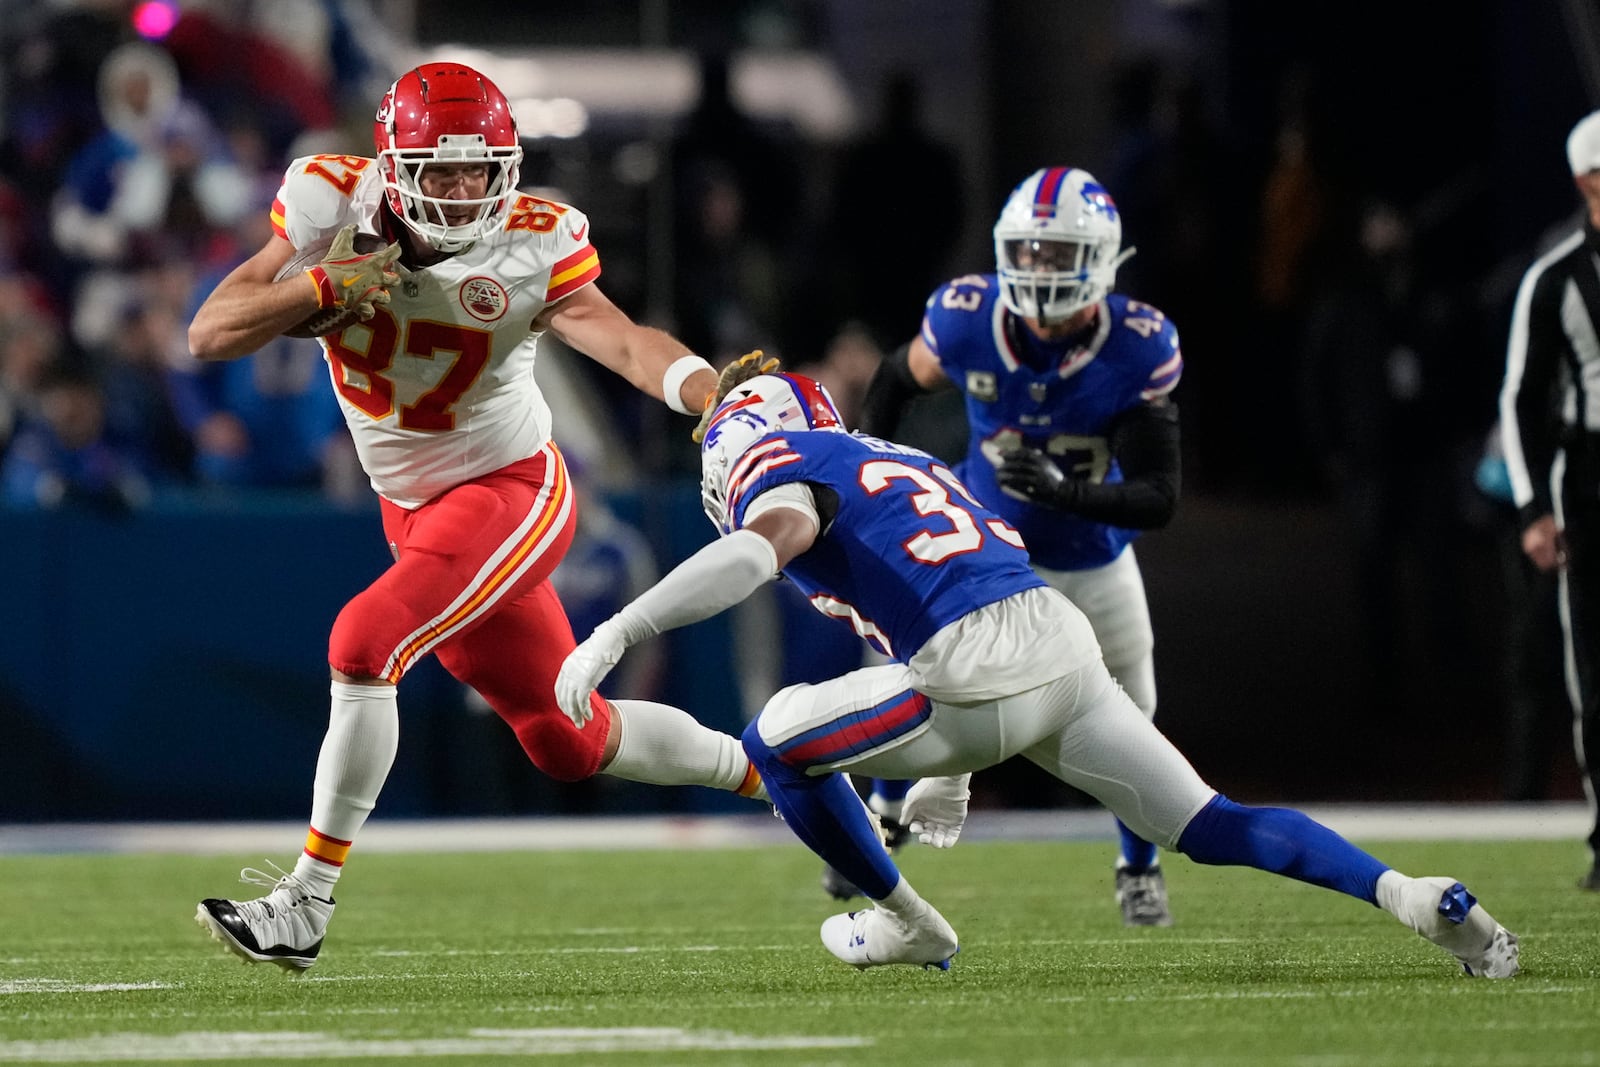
x=1444, y=912
x=874, y=937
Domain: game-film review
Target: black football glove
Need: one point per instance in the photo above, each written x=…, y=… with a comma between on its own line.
x=1028, y=474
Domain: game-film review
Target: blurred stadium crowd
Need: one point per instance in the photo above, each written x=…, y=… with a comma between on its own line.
x=1342, y=320
x=145, y=144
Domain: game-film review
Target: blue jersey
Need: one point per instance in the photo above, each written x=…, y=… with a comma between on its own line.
x=1059, y=397
x=908, y=550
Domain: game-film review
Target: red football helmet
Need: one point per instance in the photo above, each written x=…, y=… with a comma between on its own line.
x=445, y=113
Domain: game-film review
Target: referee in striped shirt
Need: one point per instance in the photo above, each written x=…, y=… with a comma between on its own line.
x=1550, y=423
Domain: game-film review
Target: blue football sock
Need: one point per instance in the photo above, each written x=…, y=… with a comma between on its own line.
x=1138, y=855
x=826, y=814
x=1282, y=841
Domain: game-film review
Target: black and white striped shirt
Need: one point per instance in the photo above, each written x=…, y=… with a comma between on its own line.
x=1550, y=399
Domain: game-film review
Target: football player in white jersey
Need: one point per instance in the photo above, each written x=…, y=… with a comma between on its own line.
x=436, y=382
x=987, y=662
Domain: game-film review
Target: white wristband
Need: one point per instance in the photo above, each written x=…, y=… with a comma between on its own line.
x=672, y=381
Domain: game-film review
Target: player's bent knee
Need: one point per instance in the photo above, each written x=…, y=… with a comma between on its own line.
x=764, y=758
x=756, y=747
x=560, y=751
x=360, y=644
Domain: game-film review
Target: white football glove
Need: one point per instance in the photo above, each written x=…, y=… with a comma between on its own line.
x=936, y=809
x=585, y=666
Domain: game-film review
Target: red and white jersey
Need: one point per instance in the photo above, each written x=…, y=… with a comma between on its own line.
x=438, y=387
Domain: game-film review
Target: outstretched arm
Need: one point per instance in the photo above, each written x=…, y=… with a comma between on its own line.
x=720, y=575
x=652, y=360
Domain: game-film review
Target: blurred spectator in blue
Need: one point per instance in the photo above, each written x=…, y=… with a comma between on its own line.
x=141, y=415
x=156, y=181
x=51, y=56
x=30, y=345
x=137, y=93
x=271, y=421
x=62, y=457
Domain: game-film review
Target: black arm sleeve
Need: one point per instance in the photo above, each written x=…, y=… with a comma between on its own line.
x=891, y=389
x=1145, y=442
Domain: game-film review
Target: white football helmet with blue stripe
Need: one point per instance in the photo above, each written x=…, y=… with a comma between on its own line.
x=766, y=404
x=1056, y=245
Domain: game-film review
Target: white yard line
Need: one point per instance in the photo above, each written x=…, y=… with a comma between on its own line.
x=1361, y=822
x=291, y=1045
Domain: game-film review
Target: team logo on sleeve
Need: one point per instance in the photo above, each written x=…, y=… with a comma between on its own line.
x=982, y=385
x=484, y=298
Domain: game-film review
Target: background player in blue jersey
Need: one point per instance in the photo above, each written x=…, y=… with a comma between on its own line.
x=987, y=662
x=1073, y=434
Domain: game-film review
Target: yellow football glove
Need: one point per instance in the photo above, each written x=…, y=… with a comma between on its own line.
x=750, y=365
x=350, y=279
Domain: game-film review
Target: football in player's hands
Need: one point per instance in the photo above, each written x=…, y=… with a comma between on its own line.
x=335, y=317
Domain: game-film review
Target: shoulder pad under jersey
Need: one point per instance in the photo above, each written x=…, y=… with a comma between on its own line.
x=322, y=193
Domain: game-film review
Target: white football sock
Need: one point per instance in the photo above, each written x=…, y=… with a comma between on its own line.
x=902, y=900
x=357, y=753
x=1390, y=895
x=663, y=745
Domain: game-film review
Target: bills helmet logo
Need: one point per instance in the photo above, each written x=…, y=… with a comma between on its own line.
x=1094, y=194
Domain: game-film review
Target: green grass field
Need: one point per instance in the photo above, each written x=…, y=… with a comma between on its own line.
x=712, y=957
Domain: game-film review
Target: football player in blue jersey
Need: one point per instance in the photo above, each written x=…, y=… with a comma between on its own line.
x=986, y=662
x=1073, y=433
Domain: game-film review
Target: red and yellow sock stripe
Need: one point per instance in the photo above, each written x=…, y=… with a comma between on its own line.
x=750, y=786
x=325, y=849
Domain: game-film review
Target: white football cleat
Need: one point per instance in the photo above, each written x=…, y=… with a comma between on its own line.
x=285, y=927
x=1441, y=910
x=874, y=937
x=1143, y=898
